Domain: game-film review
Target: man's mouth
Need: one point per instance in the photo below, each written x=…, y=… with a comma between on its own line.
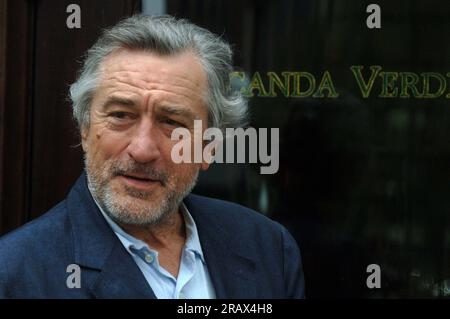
x=139, y=181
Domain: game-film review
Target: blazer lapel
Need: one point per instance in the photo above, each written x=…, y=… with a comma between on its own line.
x=121, y=278
x=106, y=267
x=231, y=270
x=231, y=274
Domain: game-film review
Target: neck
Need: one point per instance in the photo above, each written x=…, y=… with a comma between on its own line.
x=167, y=238
x=167, y=234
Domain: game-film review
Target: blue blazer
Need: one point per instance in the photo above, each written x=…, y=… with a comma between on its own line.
x=247, y=254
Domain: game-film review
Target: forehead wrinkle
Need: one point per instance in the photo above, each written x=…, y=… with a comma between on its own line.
x=147, y=81
x=140, y=86
x=116, y=61
x=125, y=66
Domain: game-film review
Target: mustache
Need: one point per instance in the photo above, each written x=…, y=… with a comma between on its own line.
x=144, y=170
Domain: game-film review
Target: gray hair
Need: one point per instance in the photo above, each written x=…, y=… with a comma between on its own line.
x=165, y=35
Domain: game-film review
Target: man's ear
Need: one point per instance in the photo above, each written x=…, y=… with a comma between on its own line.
x=84, y=135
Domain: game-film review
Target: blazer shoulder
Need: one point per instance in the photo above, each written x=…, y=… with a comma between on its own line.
x=35, y=254
x=232, y=213
x=41, y=232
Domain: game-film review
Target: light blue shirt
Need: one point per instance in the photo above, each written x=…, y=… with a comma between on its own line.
x=193, y=280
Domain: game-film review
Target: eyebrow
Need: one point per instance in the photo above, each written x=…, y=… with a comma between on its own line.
x=114, y=100
x=178, y=110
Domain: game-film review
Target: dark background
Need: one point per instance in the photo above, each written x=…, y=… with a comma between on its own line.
x=361, y=181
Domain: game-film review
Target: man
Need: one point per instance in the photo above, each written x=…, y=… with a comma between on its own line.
x=129, y=227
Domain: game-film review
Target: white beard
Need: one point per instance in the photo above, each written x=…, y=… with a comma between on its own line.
x=134, y=207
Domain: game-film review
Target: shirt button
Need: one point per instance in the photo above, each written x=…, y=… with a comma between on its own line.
x=148, y=258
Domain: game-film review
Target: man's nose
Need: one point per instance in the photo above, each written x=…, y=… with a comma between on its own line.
x=144, y=145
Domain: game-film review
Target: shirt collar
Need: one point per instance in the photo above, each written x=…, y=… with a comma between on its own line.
x=192, y=239
x=132, y=243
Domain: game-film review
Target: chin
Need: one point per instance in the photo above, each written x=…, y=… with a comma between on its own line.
x=132, y=211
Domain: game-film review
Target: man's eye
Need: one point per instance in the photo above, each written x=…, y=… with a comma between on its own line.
x=173, y=123
x=119, y=115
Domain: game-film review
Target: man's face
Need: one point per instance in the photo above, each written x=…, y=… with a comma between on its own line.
x=141, y=99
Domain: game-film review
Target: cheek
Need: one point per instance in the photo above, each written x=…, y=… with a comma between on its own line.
x=178, y=169
x=106, y=145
